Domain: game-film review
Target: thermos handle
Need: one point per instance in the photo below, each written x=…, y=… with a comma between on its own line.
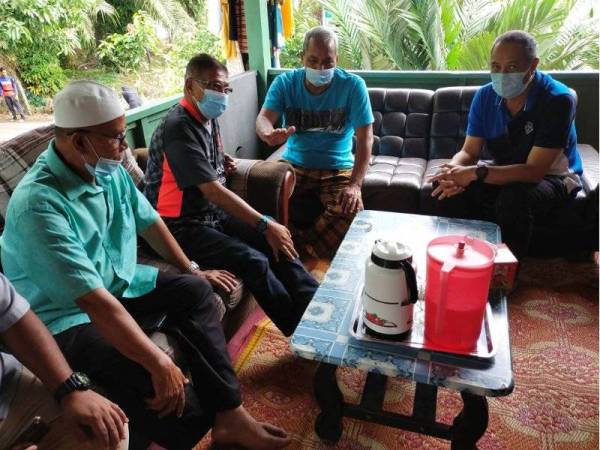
x=447, y=267
x=411, y=281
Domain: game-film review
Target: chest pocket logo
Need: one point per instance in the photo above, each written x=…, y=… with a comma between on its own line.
x=528, y=127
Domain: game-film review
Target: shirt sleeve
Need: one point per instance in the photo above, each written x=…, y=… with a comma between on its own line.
x=188, y=158
x=12, y=305
x=555, y=122
x=475, y=125
x=145, y=215
x=275, y=101
x=360, y=106
x=53, y=257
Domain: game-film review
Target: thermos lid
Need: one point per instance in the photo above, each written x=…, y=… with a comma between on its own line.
x=391, y=250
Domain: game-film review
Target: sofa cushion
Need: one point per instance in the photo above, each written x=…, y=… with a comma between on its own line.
x=427, y=204
x=449, y=120
x=392, y=184
x=404, y=115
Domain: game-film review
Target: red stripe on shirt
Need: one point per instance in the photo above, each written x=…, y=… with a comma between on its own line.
x=193, y=110
x=170, y=197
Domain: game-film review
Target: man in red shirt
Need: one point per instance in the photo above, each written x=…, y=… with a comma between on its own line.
x=9, y=92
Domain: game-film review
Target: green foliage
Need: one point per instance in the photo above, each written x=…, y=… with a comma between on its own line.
x=40, y=70
x=187, y=45
x=35, y=34
x=307, y=15
x=292, y=52
x=458, y=34
x=128, y=51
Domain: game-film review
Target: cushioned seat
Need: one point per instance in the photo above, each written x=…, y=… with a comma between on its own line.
x=400, y=148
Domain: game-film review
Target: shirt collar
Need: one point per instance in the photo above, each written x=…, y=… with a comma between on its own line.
x=534, y=91
x=193, y=110
x=73, y=185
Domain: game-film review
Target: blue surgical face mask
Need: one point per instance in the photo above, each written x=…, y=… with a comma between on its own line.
x=104, y=167
x=319, y=77
x=509, y=85
x=213, y=104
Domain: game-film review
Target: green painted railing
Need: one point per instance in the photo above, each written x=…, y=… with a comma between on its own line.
x=143, y=120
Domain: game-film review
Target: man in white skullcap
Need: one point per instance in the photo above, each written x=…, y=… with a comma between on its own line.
x=70, y=247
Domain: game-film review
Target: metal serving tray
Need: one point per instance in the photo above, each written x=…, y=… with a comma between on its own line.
x=415, y=339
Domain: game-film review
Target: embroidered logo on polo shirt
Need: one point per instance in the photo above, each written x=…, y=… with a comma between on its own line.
x=528, y=127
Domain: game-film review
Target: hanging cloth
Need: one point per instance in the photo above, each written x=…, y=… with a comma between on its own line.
x=229, y=47
x=213, y=13
x=279, y=25
x=241, y=27
x=233, y=20
x=287, y=14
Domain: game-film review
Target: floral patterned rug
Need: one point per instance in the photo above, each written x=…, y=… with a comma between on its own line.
x=554, y=334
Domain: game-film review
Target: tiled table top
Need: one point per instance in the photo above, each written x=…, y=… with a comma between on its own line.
x=324, y=332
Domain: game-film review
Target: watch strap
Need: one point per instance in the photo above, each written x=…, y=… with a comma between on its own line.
x=263, y=223
x=481, y=172
x=76, y=382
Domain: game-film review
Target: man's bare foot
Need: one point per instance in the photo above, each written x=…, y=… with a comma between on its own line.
x=237, y=426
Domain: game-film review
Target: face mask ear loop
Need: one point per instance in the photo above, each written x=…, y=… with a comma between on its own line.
x=93, y=149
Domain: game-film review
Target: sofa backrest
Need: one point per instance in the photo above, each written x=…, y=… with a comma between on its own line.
x=17, y=155
x=402, y=122
x=449, y=120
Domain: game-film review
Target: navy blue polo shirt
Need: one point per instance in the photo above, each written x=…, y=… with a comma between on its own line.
x=547, y=120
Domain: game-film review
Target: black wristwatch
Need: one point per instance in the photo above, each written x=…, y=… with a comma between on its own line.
x=263, y=223
x=78, y=381
x=481, y=171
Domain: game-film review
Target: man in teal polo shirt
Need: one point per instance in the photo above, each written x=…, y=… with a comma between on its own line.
x=70, y=247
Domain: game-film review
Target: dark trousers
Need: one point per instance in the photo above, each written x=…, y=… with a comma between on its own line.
x=514, y=207
x=193, y=320
x=14, y=106
x=283, y=289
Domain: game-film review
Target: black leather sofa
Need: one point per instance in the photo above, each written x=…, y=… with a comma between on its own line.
x=418, y=130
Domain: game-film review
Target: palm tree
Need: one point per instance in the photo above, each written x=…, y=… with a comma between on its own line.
x=458, y=34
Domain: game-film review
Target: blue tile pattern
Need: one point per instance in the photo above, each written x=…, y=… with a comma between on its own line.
x=324, y=332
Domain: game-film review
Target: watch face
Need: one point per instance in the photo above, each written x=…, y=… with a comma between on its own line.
x=81, y=379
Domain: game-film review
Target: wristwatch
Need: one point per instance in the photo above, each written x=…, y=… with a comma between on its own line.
x=263, y=223
x=481, y=171
x=78, y=381
x=192, y=267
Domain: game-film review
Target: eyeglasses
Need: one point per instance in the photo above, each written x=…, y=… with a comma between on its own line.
x=119, y=139
x=215, y=86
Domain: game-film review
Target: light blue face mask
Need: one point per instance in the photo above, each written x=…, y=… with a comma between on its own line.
x=509, y=85
x=213, y=104
x=104, y=167
x=319, y=77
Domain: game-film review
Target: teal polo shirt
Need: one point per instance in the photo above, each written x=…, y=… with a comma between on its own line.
x=65, y=237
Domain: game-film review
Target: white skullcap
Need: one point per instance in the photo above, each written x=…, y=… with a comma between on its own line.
x=85, y=103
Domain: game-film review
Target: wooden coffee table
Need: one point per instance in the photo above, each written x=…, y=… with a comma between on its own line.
x=324, y=335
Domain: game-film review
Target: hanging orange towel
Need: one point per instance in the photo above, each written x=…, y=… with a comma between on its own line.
x=229, y=47
x=287, y=17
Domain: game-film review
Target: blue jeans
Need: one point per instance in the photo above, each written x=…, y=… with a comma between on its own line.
x=283, y=289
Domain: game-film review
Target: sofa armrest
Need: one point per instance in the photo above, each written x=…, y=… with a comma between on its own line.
x=265, y=185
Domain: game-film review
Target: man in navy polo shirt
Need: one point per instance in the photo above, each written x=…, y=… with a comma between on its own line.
x=526, y=120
